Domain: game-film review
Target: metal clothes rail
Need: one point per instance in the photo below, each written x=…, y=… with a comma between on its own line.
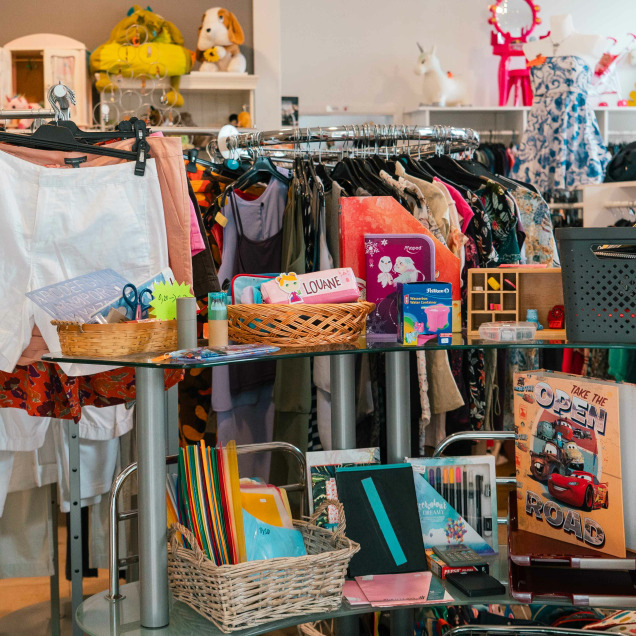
x=60, y=97
x=446, y=139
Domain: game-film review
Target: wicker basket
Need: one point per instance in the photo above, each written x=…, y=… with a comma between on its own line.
x=248, y=594
x=118, y=339
x=297, y=325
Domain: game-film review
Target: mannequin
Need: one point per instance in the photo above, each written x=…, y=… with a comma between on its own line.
x=565, y=40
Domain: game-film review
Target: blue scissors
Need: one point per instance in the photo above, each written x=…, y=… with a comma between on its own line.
x=135, y=300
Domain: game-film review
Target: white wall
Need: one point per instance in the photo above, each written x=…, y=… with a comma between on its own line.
x=360, y=53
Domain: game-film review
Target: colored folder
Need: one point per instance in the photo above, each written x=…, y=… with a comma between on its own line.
x=381, y=511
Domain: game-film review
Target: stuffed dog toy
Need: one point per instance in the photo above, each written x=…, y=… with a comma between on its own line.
x=218, y=46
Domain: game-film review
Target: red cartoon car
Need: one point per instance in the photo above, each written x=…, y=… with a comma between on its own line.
x=565, y=429
x=579, y=489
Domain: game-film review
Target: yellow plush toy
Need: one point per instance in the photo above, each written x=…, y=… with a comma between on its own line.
x=156, y=50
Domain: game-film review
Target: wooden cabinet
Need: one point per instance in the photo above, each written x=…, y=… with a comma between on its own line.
x=31, y=64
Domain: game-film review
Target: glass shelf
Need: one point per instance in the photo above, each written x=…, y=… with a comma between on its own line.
x=97, y=616
x=459, y=342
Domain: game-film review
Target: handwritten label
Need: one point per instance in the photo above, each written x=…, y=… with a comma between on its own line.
x=164, y=303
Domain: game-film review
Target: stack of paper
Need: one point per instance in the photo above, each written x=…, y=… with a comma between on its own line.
x=393, y=590
x=267, y=519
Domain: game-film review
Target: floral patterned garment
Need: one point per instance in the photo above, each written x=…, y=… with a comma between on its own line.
x=503, y=220
x=562, y=146
x=43, y=389
x=537, y=222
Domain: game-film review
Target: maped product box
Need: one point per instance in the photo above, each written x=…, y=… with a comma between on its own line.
x=392, y=259
x=424, y=310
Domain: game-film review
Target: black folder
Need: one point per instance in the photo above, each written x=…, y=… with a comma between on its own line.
x=381, y=512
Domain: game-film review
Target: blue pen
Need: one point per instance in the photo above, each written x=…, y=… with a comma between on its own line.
x=431, y=477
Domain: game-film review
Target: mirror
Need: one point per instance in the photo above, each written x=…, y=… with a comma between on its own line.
x=513, y=16
x=514, y=19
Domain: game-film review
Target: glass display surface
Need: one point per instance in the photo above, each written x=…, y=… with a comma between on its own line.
x=459, y=341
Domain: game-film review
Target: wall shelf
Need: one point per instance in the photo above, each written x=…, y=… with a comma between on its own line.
x=614, y=122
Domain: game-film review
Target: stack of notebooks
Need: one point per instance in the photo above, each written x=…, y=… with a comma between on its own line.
x=393, y=590
x=545, y=568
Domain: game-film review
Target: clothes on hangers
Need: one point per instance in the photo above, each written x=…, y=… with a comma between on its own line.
x=247, y=416
x=69, y=223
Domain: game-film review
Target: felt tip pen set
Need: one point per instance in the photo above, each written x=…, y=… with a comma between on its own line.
x=456, y=500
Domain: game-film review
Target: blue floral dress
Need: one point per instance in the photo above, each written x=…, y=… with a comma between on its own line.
x=562, y=147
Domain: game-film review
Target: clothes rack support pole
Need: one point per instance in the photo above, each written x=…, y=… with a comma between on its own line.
x=75, y=525
x=398, y=406
x=55, y=577
x=398, y=435
x=172, y=420
x=343, y=401
x=151, y=475
x=343, y=435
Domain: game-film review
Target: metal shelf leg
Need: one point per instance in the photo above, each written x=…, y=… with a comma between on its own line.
x=77, y=565
x=55, y=577
x=398, y=433
x=151, y=449
x=343, y=435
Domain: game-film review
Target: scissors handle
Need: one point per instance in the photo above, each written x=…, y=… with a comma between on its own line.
x=144, y=299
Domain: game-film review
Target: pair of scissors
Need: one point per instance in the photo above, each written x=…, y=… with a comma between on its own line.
x=138, y=301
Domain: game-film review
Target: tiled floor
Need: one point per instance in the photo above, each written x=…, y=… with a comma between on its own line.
x=24, y=603
x=25, y=608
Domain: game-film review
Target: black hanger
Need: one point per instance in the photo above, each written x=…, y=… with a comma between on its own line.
x=326, y=179
x=453, y=172
x=415, y=169
x=261, y=167
x=54, y=137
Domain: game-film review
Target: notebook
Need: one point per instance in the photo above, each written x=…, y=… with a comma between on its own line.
x=381, y=511
x=389, y=589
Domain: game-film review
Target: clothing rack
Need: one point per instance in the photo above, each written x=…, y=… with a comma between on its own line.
x=60, y=97
x=620, y=204
x=565, y=206
x=446, y=139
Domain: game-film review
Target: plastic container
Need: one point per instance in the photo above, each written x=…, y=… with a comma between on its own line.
x=507, y=331
x=599, y=294
x=217, y=319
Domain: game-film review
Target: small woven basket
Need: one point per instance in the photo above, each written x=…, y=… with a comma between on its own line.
x=248, y=594
x=118, y=339
x=297, y=325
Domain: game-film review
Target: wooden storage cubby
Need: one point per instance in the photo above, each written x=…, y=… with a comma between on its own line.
x=534, y=288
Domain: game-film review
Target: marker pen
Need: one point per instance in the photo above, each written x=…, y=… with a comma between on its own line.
x=458, y=491
x=451, y=487
x=445, y=483
x=465, y=491
x=478, y=485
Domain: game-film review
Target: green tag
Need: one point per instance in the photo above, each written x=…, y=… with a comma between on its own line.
x=164, y=303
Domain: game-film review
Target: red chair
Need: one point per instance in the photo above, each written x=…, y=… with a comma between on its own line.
x=519, y=81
